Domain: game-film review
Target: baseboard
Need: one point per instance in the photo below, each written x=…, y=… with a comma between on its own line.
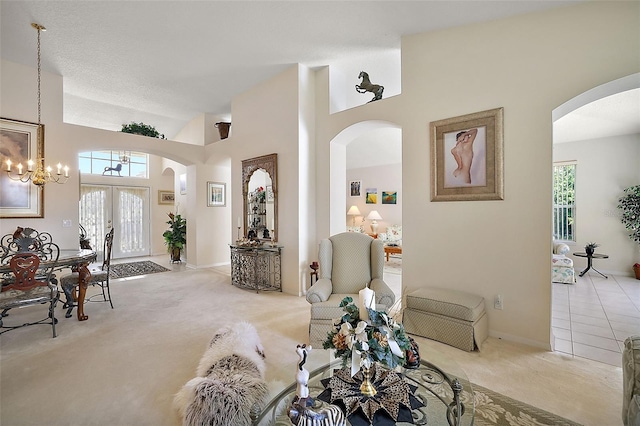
x=518, y=339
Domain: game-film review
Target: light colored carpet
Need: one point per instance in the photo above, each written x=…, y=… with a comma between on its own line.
x=123, y=366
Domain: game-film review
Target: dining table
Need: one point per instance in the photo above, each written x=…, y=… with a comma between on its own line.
x=78, y=261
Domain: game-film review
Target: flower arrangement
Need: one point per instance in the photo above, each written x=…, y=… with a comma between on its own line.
x=259, y=194
x=359, y=342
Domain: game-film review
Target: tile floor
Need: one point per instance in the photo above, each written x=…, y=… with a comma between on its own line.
x=592, y=318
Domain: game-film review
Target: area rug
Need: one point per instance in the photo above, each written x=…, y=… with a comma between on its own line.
x=394, y=265
x=123, y=270
x=494, y=409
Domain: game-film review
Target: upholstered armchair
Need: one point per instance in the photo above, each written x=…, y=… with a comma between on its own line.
x=561, y=266
x=349, y=262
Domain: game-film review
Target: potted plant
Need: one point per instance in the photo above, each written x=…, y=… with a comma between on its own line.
x=629, y=206
x=176, y=236
x=590, y=248
x=141, y=129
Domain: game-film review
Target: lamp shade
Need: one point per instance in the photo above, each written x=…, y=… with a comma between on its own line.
x=374, y=215
x=353, y=211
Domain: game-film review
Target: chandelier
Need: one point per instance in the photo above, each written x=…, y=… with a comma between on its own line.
x=36, y=172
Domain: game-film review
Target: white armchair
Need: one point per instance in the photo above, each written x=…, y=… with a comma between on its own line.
x=561, y=266
x=349, y=262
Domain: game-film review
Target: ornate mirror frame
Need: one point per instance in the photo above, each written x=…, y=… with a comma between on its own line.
x=269, y=163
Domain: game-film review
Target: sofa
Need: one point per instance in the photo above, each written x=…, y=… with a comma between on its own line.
x=392, y=235
x=561, y=266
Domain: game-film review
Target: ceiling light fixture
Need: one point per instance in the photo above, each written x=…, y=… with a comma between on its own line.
x=36, y=172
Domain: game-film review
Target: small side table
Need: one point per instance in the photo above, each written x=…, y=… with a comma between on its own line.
x=314, y=273
x=590, y=258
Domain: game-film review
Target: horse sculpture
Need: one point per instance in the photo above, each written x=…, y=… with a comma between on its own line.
x=366, y=86
x=113, y=169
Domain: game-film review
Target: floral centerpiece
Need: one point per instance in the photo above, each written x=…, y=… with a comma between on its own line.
x=259, y=194
x=359, y=342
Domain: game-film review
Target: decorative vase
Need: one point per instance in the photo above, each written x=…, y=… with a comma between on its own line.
x=366, y=387
x=636, y=269
x=589, y=250
x=175, y=255
x=223, y=129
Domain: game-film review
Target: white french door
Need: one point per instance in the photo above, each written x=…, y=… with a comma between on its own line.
x=126, y=208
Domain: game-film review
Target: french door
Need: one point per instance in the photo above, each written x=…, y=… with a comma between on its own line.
x=126, y=208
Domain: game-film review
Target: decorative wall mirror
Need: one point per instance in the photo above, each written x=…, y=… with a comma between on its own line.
x=260, y=195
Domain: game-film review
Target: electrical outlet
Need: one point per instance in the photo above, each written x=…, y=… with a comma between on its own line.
x=497, y=303
x=66, y=223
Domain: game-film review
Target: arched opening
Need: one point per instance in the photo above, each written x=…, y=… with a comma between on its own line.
x=598, y=134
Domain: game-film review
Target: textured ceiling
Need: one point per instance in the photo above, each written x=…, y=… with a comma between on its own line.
x=166, y=62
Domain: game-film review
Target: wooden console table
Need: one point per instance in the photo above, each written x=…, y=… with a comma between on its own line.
x=256, y=268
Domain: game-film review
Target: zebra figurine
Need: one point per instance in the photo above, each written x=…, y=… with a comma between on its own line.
x=299, y=413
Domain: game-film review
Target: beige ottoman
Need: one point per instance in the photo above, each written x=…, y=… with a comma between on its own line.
x=449, y=316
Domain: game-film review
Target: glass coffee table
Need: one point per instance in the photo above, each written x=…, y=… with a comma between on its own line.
x=442, y=386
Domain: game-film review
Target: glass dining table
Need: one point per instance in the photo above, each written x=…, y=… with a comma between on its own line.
x=77, y=260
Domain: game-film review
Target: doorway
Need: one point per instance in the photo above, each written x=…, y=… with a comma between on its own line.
x=126, y=208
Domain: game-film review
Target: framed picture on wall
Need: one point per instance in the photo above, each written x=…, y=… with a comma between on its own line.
x=183, y=183
x=389, y=197
x=20, y=141
x=371, y=195
x=216, y=194
x=354, y=188
x=166, y=197
x=467, y=157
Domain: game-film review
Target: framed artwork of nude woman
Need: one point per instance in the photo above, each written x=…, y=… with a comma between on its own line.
x=467, y=157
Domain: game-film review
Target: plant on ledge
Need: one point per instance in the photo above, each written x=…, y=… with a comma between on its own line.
x=141, y=129
x=176, y=236
x=629, y=206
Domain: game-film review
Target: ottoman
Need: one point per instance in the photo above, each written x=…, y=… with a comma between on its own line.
x=449, y=316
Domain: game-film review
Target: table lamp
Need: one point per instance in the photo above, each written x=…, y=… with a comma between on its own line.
x=353, y=211
x=373, y=217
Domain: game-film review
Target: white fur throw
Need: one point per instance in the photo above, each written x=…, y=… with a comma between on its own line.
x=230, y=380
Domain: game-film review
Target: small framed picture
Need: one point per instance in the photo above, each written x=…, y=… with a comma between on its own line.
x=354, y=188
x=183, y=183
x=216, y=194
x=269, y=194
x=371, y=195
x=166, y=197
x=389, y=197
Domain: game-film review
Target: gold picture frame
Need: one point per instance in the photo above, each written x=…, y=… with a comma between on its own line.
x=20, y=141
x=166, y=197
x=467, y=157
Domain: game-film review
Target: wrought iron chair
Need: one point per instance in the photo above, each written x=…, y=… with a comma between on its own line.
x=99, y=276
x=30, y=279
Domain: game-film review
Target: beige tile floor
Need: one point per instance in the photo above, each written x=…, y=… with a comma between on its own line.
x=592, y=318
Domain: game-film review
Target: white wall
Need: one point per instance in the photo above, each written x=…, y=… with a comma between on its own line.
x=384, y=178
x=527, y=65
x=605, y=167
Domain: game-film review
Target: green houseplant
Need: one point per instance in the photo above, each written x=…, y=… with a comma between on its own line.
x=590, y=248
x=141, y=129
x=629, y=206
x=176, y=236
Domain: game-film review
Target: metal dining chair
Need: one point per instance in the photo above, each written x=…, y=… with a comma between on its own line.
x=99, y=276
x=30, y=284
